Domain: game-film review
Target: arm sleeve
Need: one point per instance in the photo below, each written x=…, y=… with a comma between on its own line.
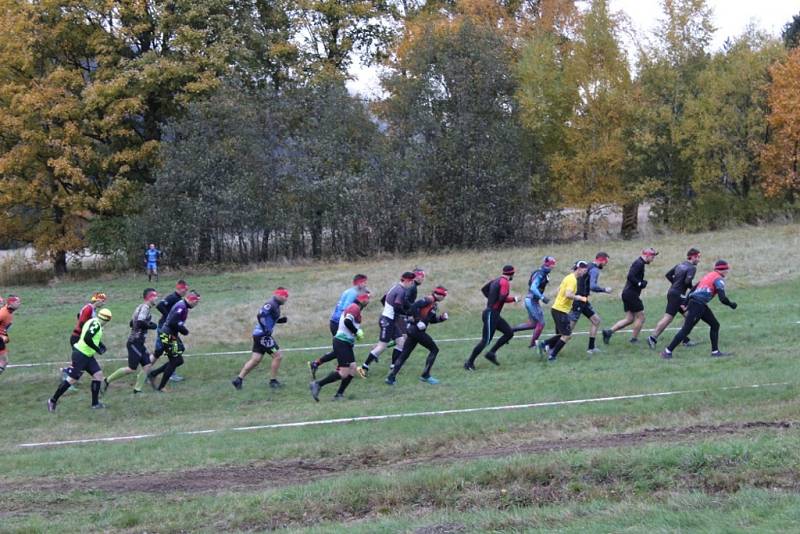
x=87, y=337
x=505, y=294
x=670, y=275
x=162, y=307
x=594, y=275
x=635, y=275
x=535, y=286
x=688, y=278
x=350, y=323
x=723, y=298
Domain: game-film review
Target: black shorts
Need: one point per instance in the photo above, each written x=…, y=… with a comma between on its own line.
x=561, y=321
x=632, y=303
x=401, y=325
x=333, y=326
x=2, y=343
x=581, y=308
x=387, y=329
x=137, y=354
x=81, y=363
x=674, y=303
x=344, y=353
x=265, y=345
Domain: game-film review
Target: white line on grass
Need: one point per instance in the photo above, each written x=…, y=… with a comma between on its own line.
x=399, y=415
x=291, y=349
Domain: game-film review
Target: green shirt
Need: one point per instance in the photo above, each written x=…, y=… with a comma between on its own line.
x=94, y=329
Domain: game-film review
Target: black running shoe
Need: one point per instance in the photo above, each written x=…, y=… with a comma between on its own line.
x=492, y=357
x=51, y=406
x=607, y=336
x=651, y=342
x=469, y=367
x=313, y=365
x=274, y=384
x=237, y=382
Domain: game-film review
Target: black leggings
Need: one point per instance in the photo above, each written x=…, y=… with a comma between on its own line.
x=696, y=312
x=492, y=322
x=417, y=337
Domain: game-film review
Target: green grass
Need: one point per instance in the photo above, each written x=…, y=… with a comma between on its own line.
x=401, y=479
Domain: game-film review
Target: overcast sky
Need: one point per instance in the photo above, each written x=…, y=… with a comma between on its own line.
x=731, y=17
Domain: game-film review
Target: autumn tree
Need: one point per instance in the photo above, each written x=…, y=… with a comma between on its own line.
x=780, y=157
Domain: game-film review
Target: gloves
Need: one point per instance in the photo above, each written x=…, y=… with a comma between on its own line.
x=359, y=334
x=545, y=300
x=516, y=299
x=733, y=305
x=183, y=330
x=421, y=325
x=361, y=372
x=443, y=317
x=643, y=284
x=608, y=290
x=282, y=320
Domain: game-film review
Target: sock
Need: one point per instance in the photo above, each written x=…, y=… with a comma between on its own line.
x=62, y=388
x=551, y=342
x=140, y=378
x=559, y=345
x=591, y=343
x=371, y=358
x=330, y=379
x=116, y=375
x=95, y=392
x=343, y=385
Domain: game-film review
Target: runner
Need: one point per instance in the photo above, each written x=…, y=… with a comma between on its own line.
x=392, y=321
x=681, y=278
x=348, y=332
x=631, y=297
x=164, y=307
x=587, y=284
x=346, y=299
x=698, y=309
x=151, y=258
x=263, y=343
x=497, y=295
x=424, y=313
x=536, y=285
x=174, y=326
x=88, y=311
x=562, y=306
x=83, y=359
x=7, y=310
x=141, y=322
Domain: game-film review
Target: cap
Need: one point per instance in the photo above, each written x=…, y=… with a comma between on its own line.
x=408, y=275
x=549, y=261
x=104, y=314
x=440, y=290
x=721, y=265
x=281, y=292
x=97, y=296
x=509, y=270
x=580, y=264
x=363, y=298
x=359, y=278
x=601, y=257
x=692, y=252
x=649, y=251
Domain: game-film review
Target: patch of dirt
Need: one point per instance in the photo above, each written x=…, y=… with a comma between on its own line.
x=290, y=472
x=444, y=528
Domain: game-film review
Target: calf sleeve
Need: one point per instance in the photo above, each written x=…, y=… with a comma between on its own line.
x=344, y=384
x=95, y=392
x=429, y=363
x=328, y=357
x=332, y=377
x=62, y=388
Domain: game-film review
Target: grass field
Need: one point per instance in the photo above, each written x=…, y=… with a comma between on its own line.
x=714, y=455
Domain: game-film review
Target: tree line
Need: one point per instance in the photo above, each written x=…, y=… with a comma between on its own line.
x=223, y=130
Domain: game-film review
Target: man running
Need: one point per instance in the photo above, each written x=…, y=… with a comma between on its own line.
x=151, y=257
x=346, y=299
x=631, y=297
x=587, y=284
x=263, y=343
x=392, y=321
x=141, y=322
x=497, y=295
x=536, y=285
x=698, y=309
x=681, y=279
x=347, y=333
x=174, y=326
x=88, y=345
x=88, y=311
x=7, y=310
x=424, y=313
x=164, y=307
x=562, y=306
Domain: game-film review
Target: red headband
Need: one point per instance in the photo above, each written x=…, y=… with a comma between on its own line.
x=181, y=285
x=441, y=291
x=13, y=301
x=283, y=293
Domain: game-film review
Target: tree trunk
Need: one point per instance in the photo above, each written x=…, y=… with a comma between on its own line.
x=60, y=263
x=630, y=220
x=587, y=221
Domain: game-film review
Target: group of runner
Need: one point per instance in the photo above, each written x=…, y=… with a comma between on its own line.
x=404, y=324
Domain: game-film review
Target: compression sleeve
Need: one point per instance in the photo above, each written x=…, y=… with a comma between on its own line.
x=594, y=275
x=535, y=286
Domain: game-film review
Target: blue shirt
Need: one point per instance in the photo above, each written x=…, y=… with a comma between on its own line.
x=152, y=255
x=267, y=316
x=346, y=299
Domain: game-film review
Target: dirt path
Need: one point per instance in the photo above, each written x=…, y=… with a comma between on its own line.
x=289, y=472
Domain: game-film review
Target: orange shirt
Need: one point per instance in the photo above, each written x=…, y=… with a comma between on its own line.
x=6, y=318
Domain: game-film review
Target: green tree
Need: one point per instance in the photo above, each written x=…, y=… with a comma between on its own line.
x=791, y=32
